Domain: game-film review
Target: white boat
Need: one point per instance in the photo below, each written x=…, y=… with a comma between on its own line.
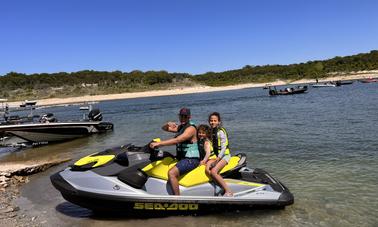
x=323, y=85
x=48, y=129
x=56, y=131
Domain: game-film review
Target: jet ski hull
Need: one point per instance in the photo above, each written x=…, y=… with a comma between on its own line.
x=140, y=203
x=133, y=180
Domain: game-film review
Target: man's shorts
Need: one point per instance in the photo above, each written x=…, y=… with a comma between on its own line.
x=187, y=164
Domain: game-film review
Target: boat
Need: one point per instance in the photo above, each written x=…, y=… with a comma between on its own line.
x=288, y=91
x=48, y=129
x=267, y=86
x=369, y=80
x=4, y=109
x=328, y=84
x=55, y=131
x=132, y=180
x=343, y=82
x=28, y=103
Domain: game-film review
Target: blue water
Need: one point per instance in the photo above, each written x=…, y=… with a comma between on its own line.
x=322, y=145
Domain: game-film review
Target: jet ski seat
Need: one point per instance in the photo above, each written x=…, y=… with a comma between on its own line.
x=159, y=169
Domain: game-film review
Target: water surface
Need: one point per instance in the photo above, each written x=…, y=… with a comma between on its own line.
x=322, y=145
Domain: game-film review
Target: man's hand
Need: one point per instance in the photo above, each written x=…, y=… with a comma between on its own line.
x=170, y=127
x=154, y=145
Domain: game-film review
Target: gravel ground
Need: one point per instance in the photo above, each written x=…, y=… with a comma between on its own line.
x=12, y=176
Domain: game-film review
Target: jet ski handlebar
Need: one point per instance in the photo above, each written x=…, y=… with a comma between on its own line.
x=155, y=154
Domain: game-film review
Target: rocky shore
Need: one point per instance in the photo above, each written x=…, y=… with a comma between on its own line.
x=12, y=176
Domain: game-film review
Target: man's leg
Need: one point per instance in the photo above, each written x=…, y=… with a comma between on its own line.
x=173, y=175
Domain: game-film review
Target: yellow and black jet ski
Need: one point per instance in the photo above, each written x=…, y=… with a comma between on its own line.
x=133, y=180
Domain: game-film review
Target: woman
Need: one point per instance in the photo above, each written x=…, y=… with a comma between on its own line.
x=221, y=150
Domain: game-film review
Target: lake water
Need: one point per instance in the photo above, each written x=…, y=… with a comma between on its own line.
x=322, y=145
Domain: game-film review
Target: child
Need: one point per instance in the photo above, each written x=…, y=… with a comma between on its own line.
x=221, y=150
x=204, y=143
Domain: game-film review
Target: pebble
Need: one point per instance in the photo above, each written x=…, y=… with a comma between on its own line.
x=10, y=180
x=4, y=178
x=6, y=210
x=20, y=179
x=5, y=174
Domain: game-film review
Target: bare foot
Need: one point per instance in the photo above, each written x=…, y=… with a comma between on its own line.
x=228, y=194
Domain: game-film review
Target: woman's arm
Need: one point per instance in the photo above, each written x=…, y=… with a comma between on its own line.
x=223, y=140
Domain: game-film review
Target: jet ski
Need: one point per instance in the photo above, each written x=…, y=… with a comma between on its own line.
x=133, y=180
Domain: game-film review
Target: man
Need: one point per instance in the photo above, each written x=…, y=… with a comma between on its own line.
x=186, y=147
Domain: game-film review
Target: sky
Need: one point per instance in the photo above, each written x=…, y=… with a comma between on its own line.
x=191, y=36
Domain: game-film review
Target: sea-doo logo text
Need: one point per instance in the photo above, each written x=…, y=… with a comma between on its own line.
x=165, y=206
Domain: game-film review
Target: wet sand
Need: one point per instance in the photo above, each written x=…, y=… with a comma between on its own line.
x=195, y=89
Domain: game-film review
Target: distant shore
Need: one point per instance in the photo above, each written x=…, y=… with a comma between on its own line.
x=191, y=90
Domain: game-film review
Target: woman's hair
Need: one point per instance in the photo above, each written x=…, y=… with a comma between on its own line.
x=215, y=114
x=206, y=129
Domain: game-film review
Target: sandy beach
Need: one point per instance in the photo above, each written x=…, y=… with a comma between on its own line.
x=190, y=90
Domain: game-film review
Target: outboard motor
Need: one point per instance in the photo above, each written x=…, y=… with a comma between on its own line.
x=272, y=92
x=95, y=115
x=46, y=118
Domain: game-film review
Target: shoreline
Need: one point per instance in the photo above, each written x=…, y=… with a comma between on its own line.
x=12, y=176
x=190, y=90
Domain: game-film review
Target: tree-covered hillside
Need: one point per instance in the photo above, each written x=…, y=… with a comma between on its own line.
x=308, y=70
x=18, y=86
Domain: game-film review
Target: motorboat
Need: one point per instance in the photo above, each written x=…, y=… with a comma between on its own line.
x=267, y=86
x=132, y=180
x=369, y=80
x=328, y=84
x=344, y=82
x=288, y=91
x=55, y=131
x=48, y=129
